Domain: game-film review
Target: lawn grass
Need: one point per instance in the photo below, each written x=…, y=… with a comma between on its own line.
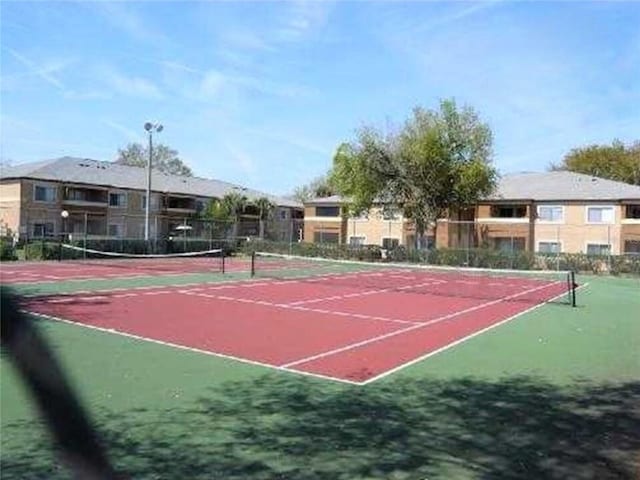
x=553, y=394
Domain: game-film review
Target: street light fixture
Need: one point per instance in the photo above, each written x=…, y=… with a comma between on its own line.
x=150, y=128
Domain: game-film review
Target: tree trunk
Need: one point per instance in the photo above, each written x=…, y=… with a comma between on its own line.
x=262, y=229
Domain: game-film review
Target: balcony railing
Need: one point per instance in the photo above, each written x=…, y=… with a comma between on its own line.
x=85, y=197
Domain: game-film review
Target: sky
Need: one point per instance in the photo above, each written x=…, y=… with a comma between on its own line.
x=262, y=93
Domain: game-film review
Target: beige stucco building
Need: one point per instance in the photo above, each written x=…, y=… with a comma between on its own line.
x=542, y=212
x=108, y=200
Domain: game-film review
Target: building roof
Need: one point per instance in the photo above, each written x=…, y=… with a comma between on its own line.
x=323, y=200
x=545, y=187
x=562, y=185
x=95, y=172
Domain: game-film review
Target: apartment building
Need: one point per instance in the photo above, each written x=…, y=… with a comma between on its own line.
x=543, y=212
x=105, y=199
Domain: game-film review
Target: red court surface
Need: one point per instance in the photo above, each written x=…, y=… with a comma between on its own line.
x=55, y=271
x=350, y=333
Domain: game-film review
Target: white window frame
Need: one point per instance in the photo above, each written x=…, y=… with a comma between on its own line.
x=390, y=238
x=126, y=199
x=559, y=242
x=594, y=242
x=513, y=240
x=543, y=221
x=45, y=185
x=44, y=231
x=364, y=240
x=623, y=246
x=586, y=215
x=322, y=232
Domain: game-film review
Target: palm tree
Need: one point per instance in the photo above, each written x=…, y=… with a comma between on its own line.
x=234, y=204
x=265, y=209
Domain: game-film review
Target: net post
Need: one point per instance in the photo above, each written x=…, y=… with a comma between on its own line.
x=253, y=264
x=60, y=240
x=573, y=288
x=222, y=260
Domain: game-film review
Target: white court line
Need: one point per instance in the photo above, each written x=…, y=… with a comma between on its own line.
x=190, y=349
x=461, y=340
x=297, y=307
x=413, y=327
x=284, y=368
x=365, y=293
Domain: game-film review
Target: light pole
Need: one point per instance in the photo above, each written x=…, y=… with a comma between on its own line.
x=150, y=128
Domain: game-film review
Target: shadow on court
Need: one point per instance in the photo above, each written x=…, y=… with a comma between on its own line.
x=284, y=427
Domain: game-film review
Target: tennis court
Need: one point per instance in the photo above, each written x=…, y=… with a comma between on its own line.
x=293, y=359
x=353, y=322
x=90, y=264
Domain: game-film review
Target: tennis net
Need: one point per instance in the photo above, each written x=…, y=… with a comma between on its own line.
x=212, y=261
x=533, y=286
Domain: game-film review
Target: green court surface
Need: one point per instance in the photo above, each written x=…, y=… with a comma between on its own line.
x=555, y=393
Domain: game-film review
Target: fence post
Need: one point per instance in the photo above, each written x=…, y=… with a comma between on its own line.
x=291, y=229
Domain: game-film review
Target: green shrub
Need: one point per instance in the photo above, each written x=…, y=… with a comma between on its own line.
x=42, y=250
x=7, y=250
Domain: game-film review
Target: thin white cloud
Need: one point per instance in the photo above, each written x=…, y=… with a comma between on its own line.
x=244, y=39
x=129, y=85
x=244, y=162
x=458, y=15
x=295, y=140
x=121, y=16
x=130, y=134
x=278, y=89
x=172, y=65
x=45, y=71
x=212, y=84
x=303, y=18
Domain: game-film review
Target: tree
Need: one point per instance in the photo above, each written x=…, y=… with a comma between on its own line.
x=439, y=160
x=234, y=204
x=616, y=161
x=265, y=210
x=164, y=159
x=218, y=218
x=318, y=187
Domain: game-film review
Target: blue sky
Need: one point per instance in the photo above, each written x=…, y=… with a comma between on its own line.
x=262, y=93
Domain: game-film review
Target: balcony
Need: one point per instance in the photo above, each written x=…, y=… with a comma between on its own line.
x=182, y=205
x=85, y=197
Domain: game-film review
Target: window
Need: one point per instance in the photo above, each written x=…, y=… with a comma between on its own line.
x=390, y=243
x=508, y=244
x=283, y=214
x=600, y=215
x=44, y=194
x=548, y=213
x=426, y=241
x=327, y=211
x=598, y=249
x=508, y=211
x=549, y=247
x=356, y=241
x=326, y=237
x=43, y=229
x=632, y=211
x=115, y=230
x=118, y=200
x=143, y=202
x=632, y=246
